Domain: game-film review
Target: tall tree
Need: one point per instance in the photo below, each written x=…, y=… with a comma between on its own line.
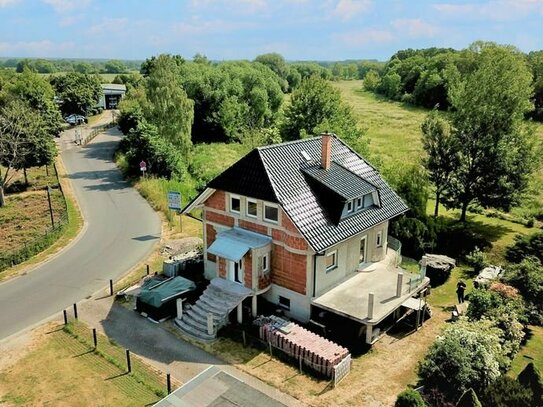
x=441, y=149
x=168, y=106
x=79, y=92
x=20, y=132
x=316, y=106
x=495, y=146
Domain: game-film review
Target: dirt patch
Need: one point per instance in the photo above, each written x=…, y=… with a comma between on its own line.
x=175, y=247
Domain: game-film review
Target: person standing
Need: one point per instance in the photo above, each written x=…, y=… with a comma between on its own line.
x=460, y=288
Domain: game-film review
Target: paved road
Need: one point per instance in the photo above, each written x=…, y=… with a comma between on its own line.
x=120, y=231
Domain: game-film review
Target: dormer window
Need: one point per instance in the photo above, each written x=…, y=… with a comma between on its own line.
x=359, y=203
x=350, y=206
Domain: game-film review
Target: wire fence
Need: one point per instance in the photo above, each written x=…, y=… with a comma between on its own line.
x=46, y=239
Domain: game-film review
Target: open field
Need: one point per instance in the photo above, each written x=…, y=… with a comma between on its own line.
x=81, y=376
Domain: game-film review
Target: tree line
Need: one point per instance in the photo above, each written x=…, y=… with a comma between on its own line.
x=423, y=77
x=87, y=66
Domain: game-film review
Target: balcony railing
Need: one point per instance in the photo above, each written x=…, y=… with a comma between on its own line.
x=396, y=246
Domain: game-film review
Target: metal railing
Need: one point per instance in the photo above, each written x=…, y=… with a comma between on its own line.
x=396, y=246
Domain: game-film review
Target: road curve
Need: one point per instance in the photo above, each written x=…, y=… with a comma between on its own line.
x=121, y=230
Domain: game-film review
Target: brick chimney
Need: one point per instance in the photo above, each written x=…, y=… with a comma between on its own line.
x=326, y=150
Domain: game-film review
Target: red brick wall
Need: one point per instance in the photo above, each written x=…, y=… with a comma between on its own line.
x=288, y=225
x=248, y=270
x=219, y=218
x=217, y=201
x=222, y=267
x=291, y=241
x=211, y=234
x=262, y=229
x=289, y=269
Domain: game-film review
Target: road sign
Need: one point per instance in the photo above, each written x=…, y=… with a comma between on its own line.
x=143, y=166
x=174, y=200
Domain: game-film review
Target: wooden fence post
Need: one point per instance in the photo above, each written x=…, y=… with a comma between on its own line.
x=128, y=364
x=110, y=288
x=65, y=317
x=75, y=311
x=94, y=338
x=169, y=383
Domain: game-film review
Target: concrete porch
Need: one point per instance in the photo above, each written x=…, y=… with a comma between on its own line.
x=373, y=292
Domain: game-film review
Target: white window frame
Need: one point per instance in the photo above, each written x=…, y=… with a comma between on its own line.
x=266, y=263
x=379, y=239
x=350, y=206
x=264, y=213
x=359, y=203
x=251, y=201
x=333, y=254
x=232, y=196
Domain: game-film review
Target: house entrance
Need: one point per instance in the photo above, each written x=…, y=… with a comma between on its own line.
x=363, y=247
x=235, y=271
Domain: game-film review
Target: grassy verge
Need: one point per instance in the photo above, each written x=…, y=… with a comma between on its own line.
x=531, y=352
x=82, y=377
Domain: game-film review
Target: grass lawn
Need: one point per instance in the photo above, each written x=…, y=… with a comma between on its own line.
x=81, y=377
x=531, y=352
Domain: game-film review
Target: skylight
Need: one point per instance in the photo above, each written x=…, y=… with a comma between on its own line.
x=306, y=156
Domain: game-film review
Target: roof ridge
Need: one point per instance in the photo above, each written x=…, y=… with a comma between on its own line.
x=358, y=175
x=302, y=140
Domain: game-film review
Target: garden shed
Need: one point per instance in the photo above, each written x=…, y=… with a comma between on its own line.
x=157, y=298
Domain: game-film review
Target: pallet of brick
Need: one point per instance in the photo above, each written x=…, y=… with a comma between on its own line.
x=317, y=352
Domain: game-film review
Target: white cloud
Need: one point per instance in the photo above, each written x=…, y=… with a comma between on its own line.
x=36, y=48
x=365, y=37
x=198, y=26
x=108, y=25
x=347, y=9
x=497, y=10
x=5, y=3
x=415, y=28
x=66, y=6
x=243, y=6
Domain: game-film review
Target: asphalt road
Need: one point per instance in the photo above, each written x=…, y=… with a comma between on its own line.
x=120, y=231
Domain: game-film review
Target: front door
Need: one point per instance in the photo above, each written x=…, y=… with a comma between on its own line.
x=363, y=250
x=235, y=271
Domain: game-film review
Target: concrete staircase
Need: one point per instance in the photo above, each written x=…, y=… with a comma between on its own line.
x=219, y=299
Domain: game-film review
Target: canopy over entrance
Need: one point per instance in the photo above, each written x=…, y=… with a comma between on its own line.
x=234, y=243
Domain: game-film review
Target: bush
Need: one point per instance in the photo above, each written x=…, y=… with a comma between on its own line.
x=467, y=355
x=532, y=379
x=477, y=259
x=469, y=399
x=409, y=398
x=507, y=392
x=525, y=246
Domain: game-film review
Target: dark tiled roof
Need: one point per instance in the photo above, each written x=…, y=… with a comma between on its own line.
x=340, y=180
x=246, y=177
x=276, y=173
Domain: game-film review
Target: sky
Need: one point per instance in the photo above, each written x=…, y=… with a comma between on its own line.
x=242, y=29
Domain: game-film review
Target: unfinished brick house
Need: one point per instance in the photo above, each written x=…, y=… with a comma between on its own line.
x=305, y=225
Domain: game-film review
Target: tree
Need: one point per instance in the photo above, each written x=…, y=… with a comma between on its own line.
x=409, y=398
x=371, y=81
x=507, y=392
x=495, y=147
x=441, y=154
x=115, y=66
x=277, y=64
x=467, y=355
x=531, y=379
x=168, y=106
x=20, y=130
x=316, y=103
x=79, y=92
x=390, y=85
x=469, y=399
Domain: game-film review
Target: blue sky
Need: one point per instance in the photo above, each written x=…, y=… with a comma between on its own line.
x=243, y=29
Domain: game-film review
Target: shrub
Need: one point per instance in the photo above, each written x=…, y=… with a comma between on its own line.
x=477, y=259
x=532, y=379
x=467, y=355
x=506, y=392
x=409, y=398
x=525, y=246
x=469, y=399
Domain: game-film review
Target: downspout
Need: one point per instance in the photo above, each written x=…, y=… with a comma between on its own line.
x=315, y=272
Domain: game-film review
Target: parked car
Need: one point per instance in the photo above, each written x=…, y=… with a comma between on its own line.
x=74, y=119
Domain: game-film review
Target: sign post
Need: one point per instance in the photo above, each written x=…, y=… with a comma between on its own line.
x=143, y=168
x=174, y=203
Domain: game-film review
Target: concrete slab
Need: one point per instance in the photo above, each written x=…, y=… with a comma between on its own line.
x=351, y=297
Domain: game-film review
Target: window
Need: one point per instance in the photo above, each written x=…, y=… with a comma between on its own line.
x=331, y=260
x=368, y=200
x=358, y=203
x=350, y=206
x=265, y=263
x=235, y=203
x=379, y=239
x=271, y=213
x=251, y=208
x=284, y=303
